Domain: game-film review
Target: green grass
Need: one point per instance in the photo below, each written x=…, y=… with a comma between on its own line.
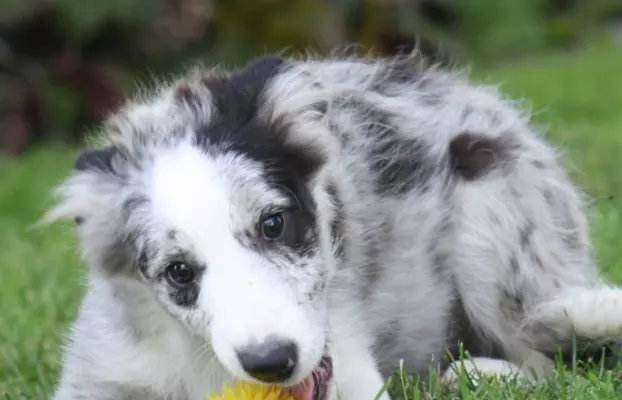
x=578, y=97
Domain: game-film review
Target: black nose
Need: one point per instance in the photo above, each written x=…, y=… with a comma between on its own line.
x=271, y=361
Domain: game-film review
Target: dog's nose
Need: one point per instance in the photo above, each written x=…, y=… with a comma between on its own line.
x=271, y=361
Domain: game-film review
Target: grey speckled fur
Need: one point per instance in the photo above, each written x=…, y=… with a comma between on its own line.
x=428, y=211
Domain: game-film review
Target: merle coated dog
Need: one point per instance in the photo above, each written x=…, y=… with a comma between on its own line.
x=311, y=222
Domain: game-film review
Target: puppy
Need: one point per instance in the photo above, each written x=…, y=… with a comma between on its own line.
x=311, y=222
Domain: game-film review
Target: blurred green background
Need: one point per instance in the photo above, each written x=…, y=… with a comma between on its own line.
x=66, y=64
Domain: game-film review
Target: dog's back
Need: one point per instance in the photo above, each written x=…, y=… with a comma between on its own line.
x=459, y=222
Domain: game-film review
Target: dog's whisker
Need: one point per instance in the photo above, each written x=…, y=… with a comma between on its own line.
x=196, y=356
x=208, y=365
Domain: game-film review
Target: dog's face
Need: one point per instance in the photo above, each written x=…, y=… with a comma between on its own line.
x=211, y=195
x=235, y=254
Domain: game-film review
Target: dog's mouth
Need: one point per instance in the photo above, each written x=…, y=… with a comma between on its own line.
x=316, y=386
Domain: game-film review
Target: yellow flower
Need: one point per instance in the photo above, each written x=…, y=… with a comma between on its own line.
x=250, y=391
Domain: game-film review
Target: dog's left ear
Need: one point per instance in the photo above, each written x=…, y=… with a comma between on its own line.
x=290, y=101
x=296, y=103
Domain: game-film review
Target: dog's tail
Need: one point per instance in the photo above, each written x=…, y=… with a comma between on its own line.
x=593, y=314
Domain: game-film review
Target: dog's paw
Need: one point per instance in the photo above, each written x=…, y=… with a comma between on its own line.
x=481, y=368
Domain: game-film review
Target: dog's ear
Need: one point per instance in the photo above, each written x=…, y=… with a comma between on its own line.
x=94, y=178
x=95, y=198
x=289, y=100
x=95, y=160
x=296, y=104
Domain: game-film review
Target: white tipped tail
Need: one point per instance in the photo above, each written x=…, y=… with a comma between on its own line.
x=591, y=313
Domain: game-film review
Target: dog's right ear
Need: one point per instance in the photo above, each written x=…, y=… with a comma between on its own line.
x=95, y=160
x=91, y=187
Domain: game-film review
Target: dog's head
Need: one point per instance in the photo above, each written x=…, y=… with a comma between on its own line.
x=211, y=192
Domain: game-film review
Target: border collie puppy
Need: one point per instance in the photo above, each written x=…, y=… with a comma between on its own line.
x=310, y=223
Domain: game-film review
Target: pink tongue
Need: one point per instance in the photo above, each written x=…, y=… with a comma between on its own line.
x=304, y=390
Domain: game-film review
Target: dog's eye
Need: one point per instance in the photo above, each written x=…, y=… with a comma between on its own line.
x=272, y=226
x=179, y=274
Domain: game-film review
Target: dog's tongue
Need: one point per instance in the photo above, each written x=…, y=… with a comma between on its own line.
x=314, y=387
x=304, y=390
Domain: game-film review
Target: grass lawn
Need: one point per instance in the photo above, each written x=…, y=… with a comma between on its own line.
x=578, y=97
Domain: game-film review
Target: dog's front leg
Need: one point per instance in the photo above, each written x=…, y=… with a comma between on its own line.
x=356, y=376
